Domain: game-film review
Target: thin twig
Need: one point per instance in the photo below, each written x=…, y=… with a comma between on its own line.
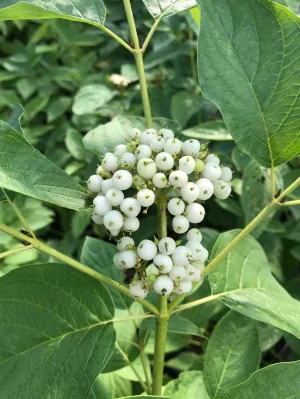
x=15, y=251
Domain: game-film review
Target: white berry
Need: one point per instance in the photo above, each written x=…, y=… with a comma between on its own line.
x=113, y=220
x=114, y=232
x=203, y=256
x=131, y=224
x=211, y=172
x=182, y=256
x=130, y=207
x=163, y=262
x=184, y=287
x=146, y=168
x=107, y=185
x=167, y=246
x=222, y=190
x=110, y=163
x=226, y=174
x=114, y=196
x=163, y=285
x=189, y=192
x=212, y=158
x=127, y=160
x=194, y=235
x=145, y=197
x=166, y=133
x=176, y=206
x=173, y=146
x=180, y=224
x=196, y=248
x=101, y=205
x=146, y=250
x=206, y=189
x=157, y=144
x=164, y=161
x=190, y=273
x=143, y=151
x=122, y=179
x=191, y=147
x=120, y=150
x=160, y=180
x=98, y=219
x=138, y=289
x=94, y=183
x=195, y=213
x=187, y=164
x=178, y=178
x=127, y=259
x=133, y=135
x=178, y=273
x=123, y=242
x=147, y=136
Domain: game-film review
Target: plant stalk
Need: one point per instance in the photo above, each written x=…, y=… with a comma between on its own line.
x=138, y=55
x=15, y=251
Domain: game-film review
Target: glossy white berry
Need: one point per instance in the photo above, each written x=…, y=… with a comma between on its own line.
x=113, y=220
x=120, y=150
x=184, y=287
x=203, y=256
x=160, y=180
x=206, y=188
x=98, y=219
x=222, y=190
x=164, y=161
x=157, y=144
x=114, y=196
x=191, y=273
x=176, y=206
x=147, y=136
x=194, y=235
x=226, y=174
x=198, y=274
x=133, y=135
x=182, y=256
x=147, y=250
x=131, y=224
x=114, y=232
x=163, y=285
x=143, y=151
x=187, y=164
x=110, y=163
x=177, y=273
x=211, y=172
x=116, y=260
x=195, y=213
x=146, y=168
x=101, y=205
x=212, y=158
x=178, y=178
x=130, y=207
x=189, y=192
x=180, y=224
x=123, y=242
x=127, y=259
x=167, y=246
x=196, y=249
x=107, y=185
x=173, y=146
x=191, y=147
x=145, y=197
x=166, y=133
x=94, y=183
x=127, y=160
x=163, y=263
x=122, y=179
x=138, y=289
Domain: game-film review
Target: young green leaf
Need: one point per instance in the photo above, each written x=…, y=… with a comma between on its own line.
x=25, y=170
x=232, y=354
x=55, y=332
x=166, y=8
x=248, y=66
x=189, y=385
x=243, y=281
x=280, y=381
x=90, y=11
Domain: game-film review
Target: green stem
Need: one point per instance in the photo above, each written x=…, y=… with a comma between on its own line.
x=15, y=251
x=138, y=55
x=116, y=37
x=77, y=265
x=162, y=320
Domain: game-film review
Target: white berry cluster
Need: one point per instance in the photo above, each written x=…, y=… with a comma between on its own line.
x=153, y=164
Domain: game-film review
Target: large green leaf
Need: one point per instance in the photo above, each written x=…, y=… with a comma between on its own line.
x=243, y=281
x=55, y=332
x=166, y=8
x=189, y=385
x=89, y=11
x=248, y=66
x=280, y=381
x=91, y=97
x=25, y=170
x=232, y=354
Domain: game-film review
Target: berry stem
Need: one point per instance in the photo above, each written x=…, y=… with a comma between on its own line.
x=15, y=251
x=77, y=265
x=162, y=320
x=138, y=55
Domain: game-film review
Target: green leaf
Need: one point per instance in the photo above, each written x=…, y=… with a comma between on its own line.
x=256, y=194
x=248, y=66
x=145, y=397
x=243, y=281
x=75, y=146
x=232, y=354
x=91, y=97
x=183, y=106
x=213, y=131
x=189, y=385
x=268, y=336
x=280, y=381
x=166, y=8
x=15, y=119
x=25, y=170
x=57, y=108
x=55, y=332
x=90, y=11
